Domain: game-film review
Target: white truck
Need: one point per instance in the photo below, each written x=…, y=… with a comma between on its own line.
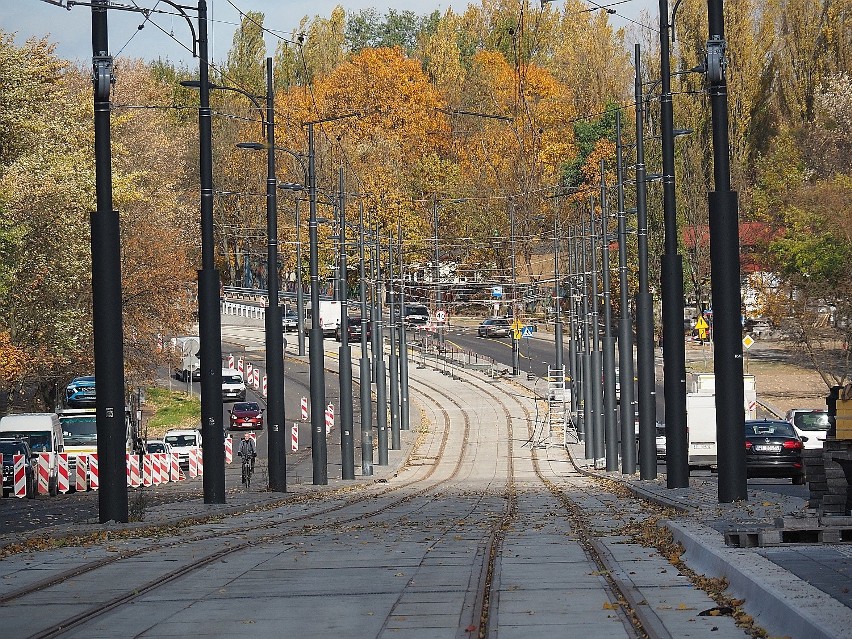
x=329, y=316
x=189, y=363
x=701, y=417
x=44, y=435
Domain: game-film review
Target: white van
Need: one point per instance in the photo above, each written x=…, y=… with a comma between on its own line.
x=233, y=385
x=181, y=440
x=44, y=435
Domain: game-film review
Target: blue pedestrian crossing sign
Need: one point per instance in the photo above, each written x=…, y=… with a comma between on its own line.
x=527, y=331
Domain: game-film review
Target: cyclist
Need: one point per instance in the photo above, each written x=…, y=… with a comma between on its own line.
x=248, y=448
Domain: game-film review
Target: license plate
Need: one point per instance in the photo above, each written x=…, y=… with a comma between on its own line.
x=767, y=449
x=702, y=446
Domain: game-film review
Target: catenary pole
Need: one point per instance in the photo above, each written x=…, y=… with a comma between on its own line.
x=347, y=445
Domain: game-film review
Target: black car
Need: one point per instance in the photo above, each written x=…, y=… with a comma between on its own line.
x=495, y=327
x=80, y=393
x=9, y=448
x=356, y=325
x=773, y=450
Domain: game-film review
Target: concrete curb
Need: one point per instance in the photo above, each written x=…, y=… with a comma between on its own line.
x=778, y=601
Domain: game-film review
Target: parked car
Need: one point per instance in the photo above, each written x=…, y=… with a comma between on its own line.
x=661, y=441
x=9, y=448
x=182, y=440
x=494, y=327
x=157, y=446
x=246, y=415
x=356, y=325
x=289, y=320
x=773, y=450
x=412, y=315
x=810, y=424
x=80, y=393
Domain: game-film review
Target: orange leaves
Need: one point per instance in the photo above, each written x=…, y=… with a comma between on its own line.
x=12, y=360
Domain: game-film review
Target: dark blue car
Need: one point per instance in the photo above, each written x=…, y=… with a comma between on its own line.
x=80, y=393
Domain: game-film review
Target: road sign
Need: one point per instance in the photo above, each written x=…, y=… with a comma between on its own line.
x=527, y=331
x=748, y=340
x=701, y=323
x=497, y=292
x=517, y=325
x=440, y=316
x=516, y=333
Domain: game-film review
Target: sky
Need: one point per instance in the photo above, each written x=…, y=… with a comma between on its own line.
x=71, y=30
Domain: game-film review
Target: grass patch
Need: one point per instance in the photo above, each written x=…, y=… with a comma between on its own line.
x=171, y=409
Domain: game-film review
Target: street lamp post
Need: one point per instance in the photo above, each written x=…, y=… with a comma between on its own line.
x=393, y=362
x=625, y=325
x=644, y=308
x=347, y=445
x=300, y=294
x=403, y=347
x=596, y=373
x=610, y=422
x=516, y=364
x=364, y=371
x=379, y=357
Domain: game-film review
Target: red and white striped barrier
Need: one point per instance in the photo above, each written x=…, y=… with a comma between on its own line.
x=19, y=486
x=249, y=372
x=294, y=444
x=157, y=468
x=44, y=473
x=193, y=462
x=81, y=473
x=256, y=378
x=164, y=468
x=329, y=418
x=94, y=480
x=240, y=365
x=147, y=471
x=200, y=461
x=176, y=474
x=62, y=478
x=229, y=449
x=230, y=361
x=264, y=386
x=304, y=406
x=133, y=478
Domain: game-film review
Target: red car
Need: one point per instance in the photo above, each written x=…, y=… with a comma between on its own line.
x=248, y=415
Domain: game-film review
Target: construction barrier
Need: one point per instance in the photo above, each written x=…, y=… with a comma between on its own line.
x=81, y=473
x=133, y=478
x=329, y=418
x=20, y=474
x=62, y=481
x=304, y=406
x=200, y=461
x=256, y=378
x=249, y=372
x=94, y=480
x=263, y=386
x=229, y=450
x=44, y=460
x=294, y=446
x=230, y=361
x=240, y=365
x=147, y=471
x=176, y=474
x=193, y=462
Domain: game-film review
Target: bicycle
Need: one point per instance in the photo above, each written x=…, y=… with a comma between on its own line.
x=248, y=468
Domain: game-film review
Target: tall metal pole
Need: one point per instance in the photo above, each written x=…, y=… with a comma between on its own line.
x=300, y=295
x=516, y=364
x=573, y=338
x=106, y=291
x=274, y=339
x=379, y=357
x=393, y=363
x=404, y=415
x=557, y=297
x=364, y=370
x=209, y=314
x=725, y=275
x=587, y=375
x=625, y=325
x=674, y=350
x=596, y=377
x=319, y=450
x=610, y=421
x=644, y=307
x=347, y=444
x=440, y=325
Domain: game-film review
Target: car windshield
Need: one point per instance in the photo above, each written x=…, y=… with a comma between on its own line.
x=247, y=407
x=79, y=430
x=11, y=448
x=232, y=379
x=181, y=440
x=156, y=447
x=416, y=310
x=769, y=429
x=814, y=420
x=39, y=441
x=501, y=322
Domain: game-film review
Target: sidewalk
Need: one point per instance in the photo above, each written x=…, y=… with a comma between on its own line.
x=791, y=589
